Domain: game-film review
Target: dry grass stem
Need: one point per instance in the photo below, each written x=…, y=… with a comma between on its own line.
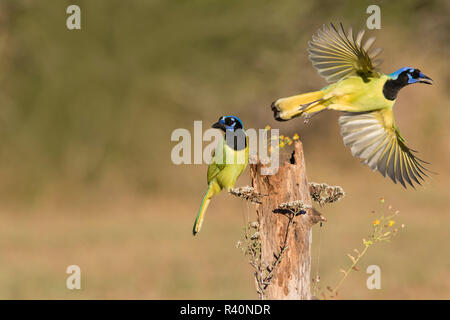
x=251, y=247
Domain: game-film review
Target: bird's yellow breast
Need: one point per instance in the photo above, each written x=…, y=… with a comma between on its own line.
x=227, y=165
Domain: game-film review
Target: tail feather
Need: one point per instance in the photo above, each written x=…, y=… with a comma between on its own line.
x=201, y=212
x=291, y=107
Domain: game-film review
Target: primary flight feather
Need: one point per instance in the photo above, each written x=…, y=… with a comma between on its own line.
x=365, y=95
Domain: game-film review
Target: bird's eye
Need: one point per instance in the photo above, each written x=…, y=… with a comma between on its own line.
x=229, y=121
x=415, y=73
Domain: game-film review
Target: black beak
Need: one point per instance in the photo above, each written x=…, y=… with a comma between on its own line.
x=424, y=79
x=218, y=125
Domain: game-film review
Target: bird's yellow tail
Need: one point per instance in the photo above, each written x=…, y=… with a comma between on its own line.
x=201, y=212
x=291, y=107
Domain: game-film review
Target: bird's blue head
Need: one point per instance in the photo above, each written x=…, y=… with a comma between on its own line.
x=229, y=123
x=409, y=75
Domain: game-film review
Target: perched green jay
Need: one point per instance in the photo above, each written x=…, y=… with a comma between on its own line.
x=229, y=160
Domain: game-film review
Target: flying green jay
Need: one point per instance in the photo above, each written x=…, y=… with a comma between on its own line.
x=365, y=95
x=229, y=160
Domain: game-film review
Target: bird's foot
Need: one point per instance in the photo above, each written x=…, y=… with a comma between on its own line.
x=306, y=105
x=308, y=116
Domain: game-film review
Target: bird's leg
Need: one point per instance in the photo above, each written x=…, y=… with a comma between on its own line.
x=306, y=105
x=308, y=116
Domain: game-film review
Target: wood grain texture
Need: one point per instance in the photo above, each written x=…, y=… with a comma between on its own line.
x=292, y=278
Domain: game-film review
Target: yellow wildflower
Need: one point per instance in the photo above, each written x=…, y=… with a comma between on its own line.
x=391, y=223
x=267, y=127
x=376, y=222
x=281, y=144
x=295, y=137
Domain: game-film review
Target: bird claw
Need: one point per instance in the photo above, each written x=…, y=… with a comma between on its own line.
x=307, y=118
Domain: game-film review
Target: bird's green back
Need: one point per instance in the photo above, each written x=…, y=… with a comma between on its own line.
x=358, y=94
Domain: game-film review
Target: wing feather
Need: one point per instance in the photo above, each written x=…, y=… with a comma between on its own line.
x=337, y=55
x=404, y=169
x=374, y=138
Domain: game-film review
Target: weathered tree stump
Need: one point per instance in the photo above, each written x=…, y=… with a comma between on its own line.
x=292, y=277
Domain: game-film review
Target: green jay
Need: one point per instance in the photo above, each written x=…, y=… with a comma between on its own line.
x=229, y=160
x=365, y=95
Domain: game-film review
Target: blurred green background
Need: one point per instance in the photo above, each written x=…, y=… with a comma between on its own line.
x=85, y=124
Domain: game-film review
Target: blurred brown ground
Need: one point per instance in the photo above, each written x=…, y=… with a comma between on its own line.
x=85, y=124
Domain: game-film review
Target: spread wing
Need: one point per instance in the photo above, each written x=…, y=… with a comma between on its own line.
x=337, y=55
x=374, y=137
